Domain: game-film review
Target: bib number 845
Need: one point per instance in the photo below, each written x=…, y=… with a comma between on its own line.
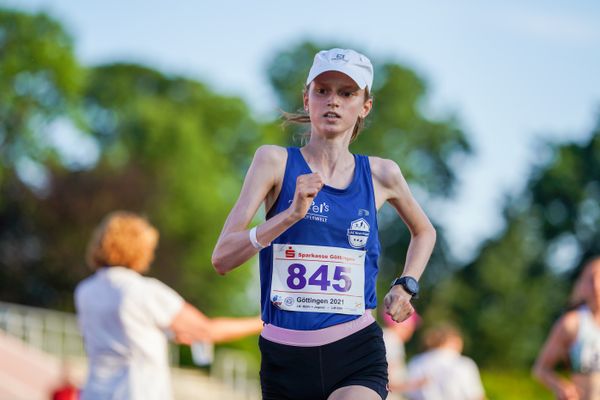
x=297, y=278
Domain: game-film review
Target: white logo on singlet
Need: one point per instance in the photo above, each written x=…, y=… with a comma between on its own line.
x=358, y=234
x=317, y=211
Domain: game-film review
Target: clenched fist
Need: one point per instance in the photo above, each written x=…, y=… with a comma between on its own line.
x=397, y=304
x=307, y=187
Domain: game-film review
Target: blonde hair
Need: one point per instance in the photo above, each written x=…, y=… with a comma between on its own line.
x=301, y=118
x=122, y=239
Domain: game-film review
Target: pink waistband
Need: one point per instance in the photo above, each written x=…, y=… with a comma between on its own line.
x=318, y=337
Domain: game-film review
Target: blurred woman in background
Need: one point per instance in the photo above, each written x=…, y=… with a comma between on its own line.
x=575, y=341
x=125, y=317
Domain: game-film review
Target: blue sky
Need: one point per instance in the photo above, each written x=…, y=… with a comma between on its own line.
x=515, y=72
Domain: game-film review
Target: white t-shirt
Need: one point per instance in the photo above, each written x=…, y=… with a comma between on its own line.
x=396, y=359
x=395, y=355
x=123, y=316
x=450, y=376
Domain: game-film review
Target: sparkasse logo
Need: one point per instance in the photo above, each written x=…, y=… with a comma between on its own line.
x=290, y=253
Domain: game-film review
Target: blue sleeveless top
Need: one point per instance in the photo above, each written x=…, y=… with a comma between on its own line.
x=585, y=350
x=338, y=218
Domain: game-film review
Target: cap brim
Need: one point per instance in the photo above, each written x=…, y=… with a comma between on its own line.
x=354, y=77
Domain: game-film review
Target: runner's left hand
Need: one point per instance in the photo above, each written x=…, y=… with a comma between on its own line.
x=397, y=304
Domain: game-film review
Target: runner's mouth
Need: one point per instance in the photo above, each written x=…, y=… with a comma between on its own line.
x=331, y=114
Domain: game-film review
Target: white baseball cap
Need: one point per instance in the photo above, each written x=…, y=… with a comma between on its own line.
x=355, y=65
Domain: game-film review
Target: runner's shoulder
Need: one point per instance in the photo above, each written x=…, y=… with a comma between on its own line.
x=269, y=163
x=385, y=171
x=568, y=323
x=271, y=155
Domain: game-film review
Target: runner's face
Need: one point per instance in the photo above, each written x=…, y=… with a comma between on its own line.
x=334, y=102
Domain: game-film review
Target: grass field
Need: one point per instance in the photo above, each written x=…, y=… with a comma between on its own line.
x=513, y=385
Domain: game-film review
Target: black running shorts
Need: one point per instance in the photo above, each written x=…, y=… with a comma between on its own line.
x=313, y=373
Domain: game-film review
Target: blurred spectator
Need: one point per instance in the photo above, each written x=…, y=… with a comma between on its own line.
x=124, y=317
x=575, y=342
x=444, y=372
x=395, y=335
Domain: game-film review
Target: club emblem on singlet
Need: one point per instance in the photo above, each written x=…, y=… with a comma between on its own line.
x=358, y=234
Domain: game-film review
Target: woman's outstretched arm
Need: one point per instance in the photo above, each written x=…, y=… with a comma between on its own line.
x=191, y=325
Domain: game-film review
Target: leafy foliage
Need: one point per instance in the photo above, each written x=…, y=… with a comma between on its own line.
x=40, y=79
x=507, y=298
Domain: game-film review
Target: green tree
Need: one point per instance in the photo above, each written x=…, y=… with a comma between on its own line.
x=192, y=145
x=165, y=146
x=564, y=193
x=509, y=296
x=40, y=81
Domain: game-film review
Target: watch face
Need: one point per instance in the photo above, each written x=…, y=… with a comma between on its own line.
x=412, y=285
x=409, y=284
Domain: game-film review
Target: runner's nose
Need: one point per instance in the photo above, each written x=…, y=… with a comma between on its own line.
x=333, y=100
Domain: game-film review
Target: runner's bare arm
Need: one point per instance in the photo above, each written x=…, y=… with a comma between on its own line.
x=390, y=185
x=264, y=176
x=233, y=247
x=554, y=351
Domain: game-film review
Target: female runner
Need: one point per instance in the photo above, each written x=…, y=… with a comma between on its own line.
x=319, y=244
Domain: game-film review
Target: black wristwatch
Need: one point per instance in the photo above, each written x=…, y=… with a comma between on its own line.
x=409, y=284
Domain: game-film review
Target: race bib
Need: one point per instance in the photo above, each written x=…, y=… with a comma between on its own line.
x=318, y=279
